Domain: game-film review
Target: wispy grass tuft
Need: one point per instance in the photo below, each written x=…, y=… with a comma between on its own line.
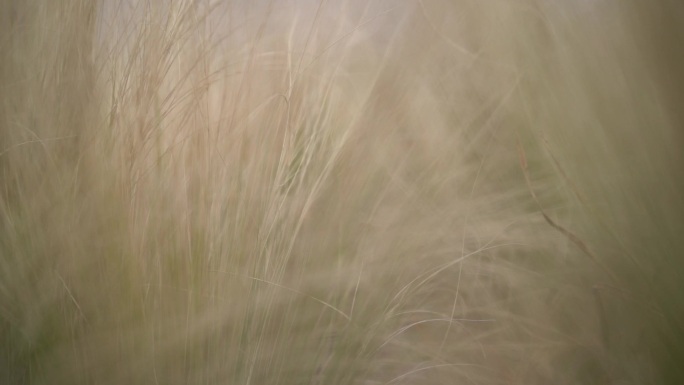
x=348, y=192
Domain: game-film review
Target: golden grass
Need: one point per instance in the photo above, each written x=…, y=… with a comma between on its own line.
x=303, y=192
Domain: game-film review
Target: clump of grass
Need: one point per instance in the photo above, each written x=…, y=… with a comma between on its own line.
x=340, y=192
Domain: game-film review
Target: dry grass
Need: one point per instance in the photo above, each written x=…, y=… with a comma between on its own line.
x=353, y=192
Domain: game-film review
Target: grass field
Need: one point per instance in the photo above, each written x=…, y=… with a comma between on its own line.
x=341, y=192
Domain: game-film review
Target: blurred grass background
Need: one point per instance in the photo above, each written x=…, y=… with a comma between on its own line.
x=312, y=192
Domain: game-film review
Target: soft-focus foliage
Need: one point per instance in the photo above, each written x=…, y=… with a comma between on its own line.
x=341, y=192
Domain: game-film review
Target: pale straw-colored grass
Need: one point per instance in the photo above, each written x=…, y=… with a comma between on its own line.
x=341, y=192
